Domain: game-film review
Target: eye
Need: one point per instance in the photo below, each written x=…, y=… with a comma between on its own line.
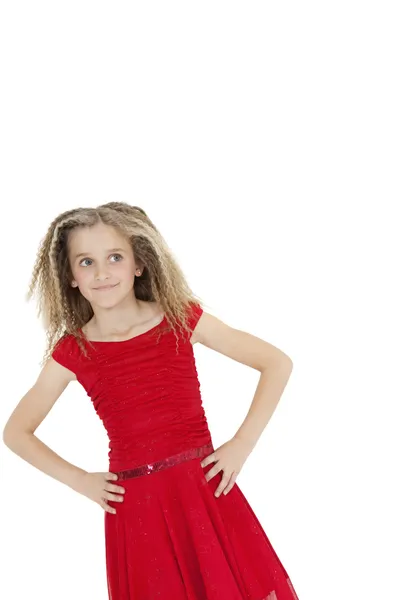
x=82, y=261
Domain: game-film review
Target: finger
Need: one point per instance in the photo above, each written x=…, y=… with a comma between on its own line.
x=208, y=459
x=113, y=497
x=106, y=506
x=212, y=472
x=111, y=487
x=112, y=476
x=231, y=483
x=223, y=483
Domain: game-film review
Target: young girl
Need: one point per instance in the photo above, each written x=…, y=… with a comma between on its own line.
x=121, y=320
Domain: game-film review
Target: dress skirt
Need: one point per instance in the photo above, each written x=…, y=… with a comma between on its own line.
x=173, y=539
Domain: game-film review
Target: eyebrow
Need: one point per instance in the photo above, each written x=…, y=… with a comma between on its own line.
x=110, y=250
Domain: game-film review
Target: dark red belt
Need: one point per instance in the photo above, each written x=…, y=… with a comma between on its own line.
x=170, y=461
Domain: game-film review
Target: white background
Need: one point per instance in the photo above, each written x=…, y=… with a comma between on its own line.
x=263, y=141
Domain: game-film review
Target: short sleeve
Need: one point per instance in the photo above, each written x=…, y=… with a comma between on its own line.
x=63, y=353
x=194, y=313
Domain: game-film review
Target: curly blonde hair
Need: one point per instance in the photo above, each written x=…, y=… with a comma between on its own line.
x=65, y=310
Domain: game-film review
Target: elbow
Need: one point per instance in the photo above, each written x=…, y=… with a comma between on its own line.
x=289, y=362
x=283, y=362
x=8, y=436
x=12, y=436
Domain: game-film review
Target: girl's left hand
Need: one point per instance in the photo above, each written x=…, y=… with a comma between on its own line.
x=229, y=458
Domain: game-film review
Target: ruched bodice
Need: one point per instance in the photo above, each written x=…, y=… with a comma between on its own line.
x=145, y=390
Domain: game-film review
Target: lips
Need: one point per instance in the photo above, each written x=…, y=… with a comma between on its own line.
x=106, y=287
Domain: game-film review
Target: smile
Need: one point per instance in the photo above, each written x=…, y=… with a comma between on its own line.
x=105, y=288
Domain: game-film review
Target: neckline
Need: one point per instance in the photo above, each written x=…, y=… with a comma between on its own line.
x=129, y=339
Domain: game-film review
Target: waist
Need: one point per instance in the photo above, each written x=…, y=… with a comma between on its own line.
x=166, y=462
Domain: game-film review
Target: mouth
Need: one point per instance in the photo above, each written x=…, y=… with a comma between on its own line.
x=104, y=288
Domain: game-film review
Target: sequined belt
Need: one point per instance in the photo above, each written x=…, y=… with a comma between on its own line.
x=166, y=462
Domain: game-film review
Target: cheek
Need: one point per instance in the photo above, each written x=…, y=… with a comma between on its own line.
x=82, y=278
x=125, y=272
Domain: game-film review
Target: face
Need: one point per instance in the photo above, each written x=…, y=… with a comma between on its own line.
x=101, y=256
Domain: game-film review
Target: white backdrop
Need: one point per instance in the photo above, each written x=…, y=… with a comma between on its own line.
x=263, y=141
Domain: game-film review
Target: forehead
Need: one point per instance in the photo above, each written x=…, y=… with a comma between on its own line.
x=99, y=238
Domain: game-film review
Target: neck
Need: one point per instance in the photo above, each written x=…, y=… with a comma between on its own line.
x=122, y=319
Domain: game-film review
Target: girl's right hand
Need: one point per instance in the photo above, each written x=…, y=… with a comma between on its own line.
x=97, y=487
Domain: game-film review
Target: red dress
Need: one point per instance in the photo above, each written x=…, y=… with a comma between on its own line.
x=171, y=538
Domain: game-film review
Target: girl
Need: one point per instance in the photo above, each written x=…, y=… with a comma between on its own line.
x=121, y=320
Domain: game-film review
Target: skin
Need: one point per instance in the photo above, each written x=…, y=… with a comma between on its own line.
x=119, y=315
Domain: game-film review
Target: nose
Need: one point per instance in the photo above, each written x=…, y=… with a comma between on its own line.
x=101, y=274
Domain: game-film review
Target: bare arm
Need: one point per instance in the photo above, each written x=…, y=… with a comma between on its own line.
x=274, y=365
x=19, y=431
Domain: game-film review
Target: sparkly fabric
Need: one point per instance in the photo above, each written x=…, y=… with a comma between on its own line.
x=171, y=537
x=170, y=461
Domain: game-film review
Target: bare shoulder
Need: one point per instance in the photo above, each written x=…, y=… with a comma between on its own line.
x=54, y=369
x=39, y=399
x=237, y=344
